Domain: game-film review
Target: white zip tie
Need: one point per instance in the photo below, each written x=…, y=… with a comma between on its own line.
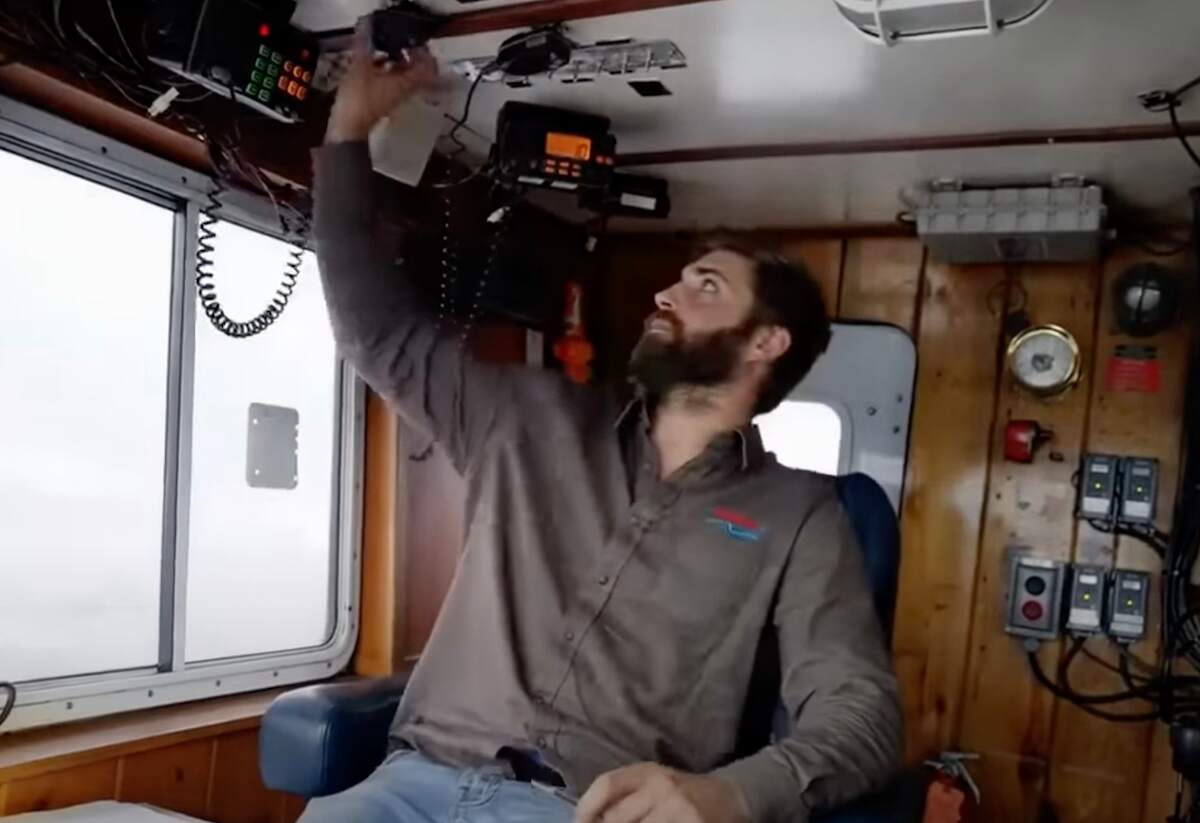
x=163, y=101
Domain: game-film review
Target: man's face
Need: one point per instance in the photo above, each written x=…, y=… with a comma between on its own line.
x=701, y=331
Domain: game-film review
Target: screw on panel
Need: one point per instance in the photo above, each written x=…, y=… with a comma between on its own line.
x=871, y=411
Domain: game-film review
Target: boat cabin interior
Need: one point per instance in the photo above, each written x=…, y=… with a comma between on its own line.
x=239, y=481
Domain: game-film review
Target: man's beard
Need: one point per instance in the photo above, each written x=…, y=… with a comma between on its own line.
x=661, y=365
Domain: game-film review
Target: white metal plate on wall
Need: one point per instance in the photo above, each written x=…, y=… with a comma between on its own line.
x=867, y=375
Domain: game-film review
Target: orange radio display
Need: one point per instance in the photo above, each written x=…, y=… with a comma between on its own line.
x=568, y=145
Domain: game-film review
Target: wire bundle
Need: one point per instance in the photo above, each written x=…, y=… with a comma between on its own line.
x=65, y=33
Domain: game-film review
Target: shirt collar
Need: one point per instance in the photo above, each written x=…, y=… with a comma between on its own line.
x=746, y=439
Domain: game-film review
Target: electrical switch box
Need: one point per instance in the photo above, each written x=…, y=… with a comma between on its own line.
x=1085, y=599
x=1139, y=490
x=1098, y=486
x=1127, y=605
x=1035, y=597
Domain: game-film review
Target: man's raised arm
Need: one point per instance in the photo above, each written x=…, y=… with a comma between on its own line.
x=377, y=318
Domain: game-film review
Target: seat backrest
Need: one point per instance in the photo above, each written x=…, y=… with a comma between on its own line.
x=874, y=524
x=878, y=533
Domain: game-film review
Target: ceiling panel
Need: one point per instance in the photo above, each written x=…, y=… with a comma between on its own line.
x=771, y=71
x=1144, y=178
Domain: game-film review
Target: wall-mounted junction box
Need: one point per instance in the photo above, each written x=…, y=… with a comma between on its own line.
x=1139, y=489
x=1035, y=597
x=1128, y=602
x=1098, y=478
x=1085, y=599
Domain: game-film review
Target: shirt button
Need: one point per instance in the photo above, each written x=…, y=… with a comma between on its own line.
x=603, y=581
x=568, y=636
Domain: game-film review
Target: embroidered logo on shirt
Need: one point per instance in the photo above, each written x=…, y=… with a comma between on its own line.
x=736, y=525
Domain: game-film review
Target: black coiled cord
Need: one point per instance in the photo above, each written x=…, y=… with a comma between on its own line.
x=207, y=290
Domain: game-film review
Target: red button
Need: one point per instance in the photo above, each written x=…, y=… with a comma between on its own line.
x=1032, y=610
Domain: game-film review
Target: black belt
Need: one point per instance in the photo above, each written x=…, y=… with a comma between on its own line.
x=528, y=767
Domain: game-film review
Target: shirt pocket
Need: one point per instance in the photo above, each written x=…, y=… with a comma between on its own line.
x=691, y=581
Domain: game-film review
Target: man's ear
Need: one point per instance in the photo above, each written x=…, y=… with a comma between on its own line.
x=769, y=343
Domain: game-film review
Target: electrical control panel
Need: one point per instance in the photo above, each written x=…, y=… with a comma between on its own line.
x=1128, y=603
x=1139, y=489
x=1098, y=478
x=1085, y=599
x=1035, y=597
x=239, y=49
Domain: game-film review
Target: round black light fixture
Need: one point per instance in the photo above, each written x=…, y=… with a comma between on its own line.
x=1146, y=299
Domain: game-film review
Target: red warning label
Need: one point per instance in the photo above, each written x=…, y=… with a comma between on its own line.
x=1134, y=369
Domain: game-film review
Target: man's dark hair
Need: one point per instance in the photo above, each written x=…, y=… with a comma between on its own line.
x=785, y=294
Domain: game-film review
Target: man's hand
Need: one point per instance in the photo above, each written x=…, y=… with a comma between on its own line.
x=370, y=89
x=650, y=793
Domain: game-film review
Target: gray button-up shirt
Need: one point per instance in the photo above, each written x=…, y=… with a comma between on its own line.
x=600, y=615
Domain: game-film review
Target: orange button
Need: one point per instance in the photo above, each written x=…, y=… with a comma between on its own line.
x=302, y=93
x=292, y=88
x=307, y=77
x=297, y=72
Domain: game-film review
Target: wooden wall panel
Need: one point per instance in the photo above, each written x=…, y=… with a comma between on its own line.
x=211, y=773
x=57, y=790
x=1099, y=767
x=293, y=807
x=944, y=497
x=379, y=618
x=176, y=777
x=236, y=794
x=1006, y=715
x=823, y=259
x=880, y=281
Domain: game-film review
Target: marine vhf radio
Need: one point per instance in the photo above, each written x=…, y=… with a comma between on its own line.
x=537, y=146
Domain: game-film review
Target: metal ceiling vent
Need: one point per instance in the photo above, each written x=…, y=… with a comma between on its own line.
x=892, y=21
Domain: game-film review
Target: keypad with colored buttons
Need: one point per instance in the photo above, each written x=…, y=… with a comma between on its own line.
x=274, y=73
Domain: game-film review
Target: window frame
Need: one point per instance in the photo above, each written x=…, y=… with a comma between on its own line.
x=46, y=138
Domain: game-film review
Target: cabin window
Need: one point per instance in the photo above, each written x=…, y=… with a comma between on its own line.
x=82, y=422
x=804, y=435
x=145, y=562
x=851, y=413
x=260, y=569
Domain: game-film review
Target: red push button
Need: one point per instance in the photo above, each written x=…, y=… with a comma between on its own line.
x=1032, y=610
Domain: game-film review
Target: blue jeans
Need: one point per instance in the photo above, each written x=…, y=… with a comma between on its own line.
x=410, y=788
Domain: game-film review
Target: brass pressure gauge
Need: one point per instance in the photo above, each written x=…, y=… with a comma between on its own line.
x=1045, y=360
